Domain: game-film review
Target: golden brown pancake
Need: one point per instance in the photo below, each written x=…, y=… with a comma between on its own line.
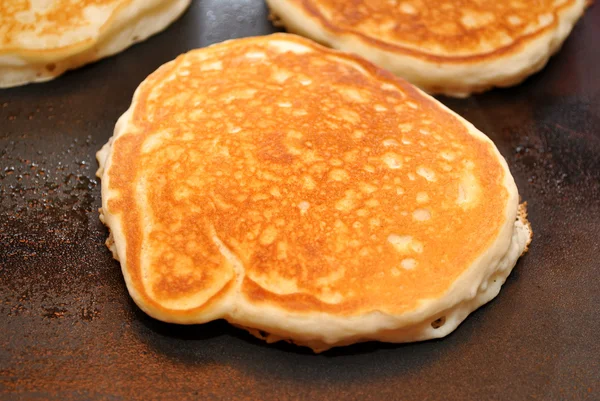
x=305, y=193
x=443, y=46
x=41, y=39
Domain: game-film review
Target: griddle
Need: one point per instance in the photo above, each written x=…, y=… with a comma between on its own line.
x=69, y=330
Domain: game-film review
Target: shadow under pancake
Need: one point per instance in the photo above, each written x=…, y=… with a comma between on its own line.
x=165, y=338
x=156, y=332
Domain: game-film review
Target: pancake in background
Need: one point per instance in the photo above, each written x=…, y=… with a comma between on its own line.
x=444, y=46
x=40, y=40
x=305, y=195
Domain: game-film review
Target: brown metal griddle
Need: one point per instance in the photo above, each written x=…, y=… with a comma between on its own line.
x=69, y=331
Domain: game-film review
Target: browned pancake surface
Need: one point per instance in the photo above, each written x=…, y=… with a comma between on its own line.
x=47, y=27
x=338, y=187
x=440, y=29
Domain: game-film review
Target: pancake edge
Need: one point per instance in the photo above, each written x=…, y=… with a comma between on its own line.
x=450, y=318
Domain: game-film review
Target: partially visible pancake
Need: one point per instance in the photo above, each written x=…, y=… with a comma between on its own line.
x=306, y=195
x=40, y=40
x=444, y=46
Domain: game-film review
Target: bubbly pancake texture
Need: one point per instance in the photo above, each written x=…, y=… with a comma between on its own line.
x=443, y=46
x=303, y=192
x=41, y=39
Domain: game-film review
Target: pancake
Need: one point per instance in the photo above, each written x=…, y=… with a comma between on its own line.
x=40, y=40
x=305, y=195
x=445, y=47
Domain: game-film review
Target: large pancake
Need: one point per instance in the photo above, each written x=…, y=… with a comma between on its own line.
x=305, y=193
x=443, y=46
x=39, y=40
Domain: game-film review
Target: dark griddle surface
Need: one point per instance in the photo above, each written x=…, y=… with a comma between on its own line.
x=69, y=331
